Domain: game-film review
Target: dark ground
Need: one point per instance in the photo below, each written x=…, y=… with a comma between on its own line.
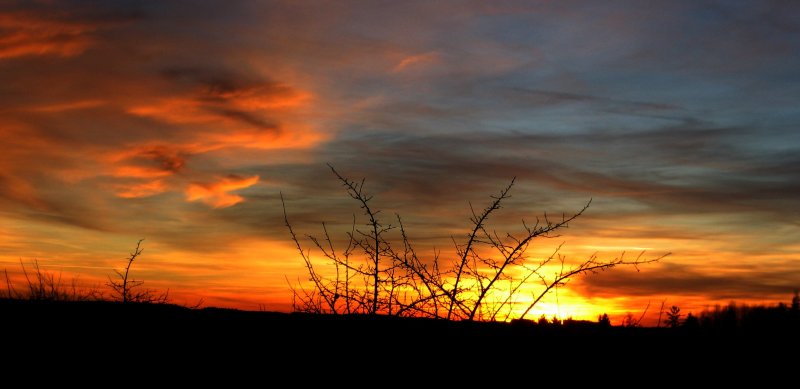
x=130, y=336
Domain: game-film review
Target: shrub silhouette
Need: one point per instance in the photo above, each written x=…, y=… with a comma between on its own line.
x=380, y=272
x=691, y=321
x=604, y=321
x=41, y=285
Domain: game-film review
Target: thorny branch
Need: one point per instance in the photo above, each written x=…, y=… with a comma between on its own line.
x=383, y=273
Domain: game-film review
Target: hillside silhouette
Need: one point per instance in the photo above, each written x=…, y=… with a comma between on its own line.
x=161, y=336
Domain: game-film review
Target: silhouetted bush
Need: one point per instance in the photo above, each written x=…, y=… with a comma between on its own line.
x=691, y=321
x=42, y=285
x=379, y=272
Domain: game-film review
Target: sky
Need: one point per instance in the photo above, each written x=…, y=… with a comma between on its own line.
x=181, y=122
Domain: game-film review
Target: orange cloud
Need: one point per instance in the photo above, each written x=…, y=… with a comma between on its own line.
x=29, y=35
x=267, y=140
x=142, y=190
x=140, y=172
x=175, y=110
x=19, y=189
x=261, y=96
x=255, y=115
x=216, y=194
x=148, y=161
x=211, y=103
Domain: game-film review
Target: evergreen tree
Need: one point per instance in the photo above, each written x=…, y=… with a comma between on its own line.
x=673, y=317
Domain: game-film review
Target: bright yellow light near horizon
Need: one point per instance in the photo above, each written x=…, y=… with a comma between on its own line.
x=561, y=303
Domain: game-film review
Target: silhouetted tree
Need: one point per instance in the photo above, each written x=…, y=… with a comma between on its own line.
x=379, y=271
x=127, y=289
x=796, y=301
x=673, y=317
x=604, y=321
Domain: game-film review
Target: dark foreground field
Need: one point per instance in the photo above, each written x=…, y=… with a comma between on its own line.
x=106, y=333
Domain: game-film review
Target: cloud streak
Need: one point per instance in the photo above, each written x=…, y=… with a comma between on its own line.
x=27, y=34
x=673, y=280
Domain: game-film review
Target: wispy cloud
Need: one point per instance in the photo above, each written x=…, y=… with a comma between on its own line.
x=217, y=194
x=29, y=34
x=676, y=280
x=416, y=60
x=68, y=106
x=145, y=189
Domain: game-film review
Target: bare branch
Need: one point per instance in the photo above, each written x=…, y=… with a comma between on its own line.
x=380, y=271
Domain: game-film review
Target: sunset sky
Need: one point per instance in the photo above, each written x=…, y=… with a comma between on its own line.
x=181, y=122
